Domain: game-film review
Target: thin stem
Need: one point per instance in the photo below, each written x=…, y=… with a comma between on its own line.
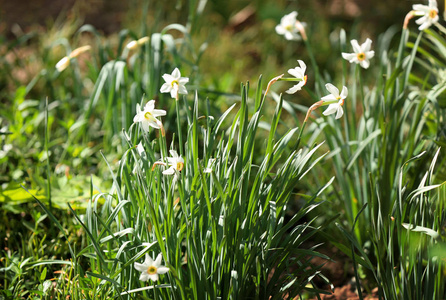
x=180, y=136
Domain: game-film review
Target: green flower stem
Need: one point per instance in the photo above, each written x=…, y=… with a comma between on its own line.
x=314, y=65
x=299, y=137
x=289, y=79
x=180, y=136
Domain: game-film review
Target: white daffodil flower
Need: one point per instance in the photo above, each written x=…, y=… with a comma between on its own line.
x=151, y=269
x=335, y=100
x=175, y=163
x=288, y=27
x=147, y=117
x=299, y=73
x=174, y=84
x=362, y=53
x=428, y=13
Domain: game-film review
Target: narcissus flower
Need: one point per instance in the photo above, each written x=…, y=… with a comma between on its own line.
x=175, y=84
x=151, y=269
x=147, y=117
x=335, y=100
x=288, y=27
x=175, y=163
x=428, y=13
x=362, y=53
x=299, y=73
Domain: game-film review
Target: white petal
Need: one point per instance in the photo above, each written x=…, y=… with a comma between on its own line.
x=168, y=78
x=165, y=88
x=293, y=89
x=425, y=25
x=183, y=80
x=349, y=56
x=154, y=124
x=332, y=89
x=150, y=106
x=141, y=267
x=154, y=277
x=369, y=54
x=182, y=90
x=365, y=63
x=421, y=8
x=296, y=72
x=280, y=30
x=158, y=259
x=158, y=112
x=332, y=108
x=145, y=126
x=289, y=36
x=169, y=171
x=355, y=46
x=296, y=88
x=148, y=261
x=138, y=118
x=433, y=3
x=329, y=98
x=174, y=92
x=176, y=74
x=344, y=92
x=162, y=270
x=144, y=276
x=302, y=65
x=339, y=112
x=366, y=45
x=173, y=153
x=422, y=20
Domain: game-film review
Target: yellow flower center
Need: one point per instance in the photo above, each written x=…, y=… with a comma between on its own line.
x=152, y=270
x=148, y=116
x=174, y=82
x=433, y=13
x=288, y=27
x=180, y=166
x=360, y=56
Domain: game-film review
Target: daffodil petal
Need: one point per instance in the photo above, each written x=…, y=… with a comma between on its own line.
x=154, y=277
x=329, y=98
x=176, y=73
x=332, y=108
x=344, y=92
x=356, y=47
x=162, y=270
x=366, y=45
x=140, y=267
x=144, y=276
x=339, y=112
x=332, y=89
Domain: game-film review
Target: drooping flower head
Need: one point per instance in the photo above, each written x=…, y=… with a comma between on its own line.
x=361, y=54
x=66, y=60
x=299, y=73
x=335, y=99
x=148, y=116
x=175, y=84
x=428, y=13
x=137, y=43
x=151, y=269
x=288, y=27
